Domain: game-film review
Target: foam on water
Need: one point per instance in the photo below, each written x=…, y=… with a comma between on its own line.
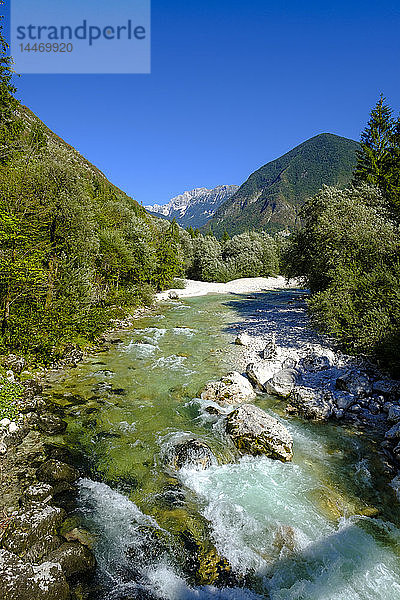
x=262, y=522
x=183, y=331
x=120, y=527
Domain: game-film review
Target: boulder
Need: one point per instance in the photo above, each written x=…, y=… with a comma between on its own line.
x=270, y=350
x=192, y=454
x=53, y=471
x=318, y=360
x=393, y=433
x=255, y=432
x=39, y=492
x=386, y=387
x=231, y=389
x=15, y=363
x=243, y=339
x=173, y=295
x=344, y=400
x=394, y=413
x=31, y=527
x=51, y=424
x=23, y=581
x=282, y=383
x=73, y=558
x=261, y=372
x=311, y=404
x=356, y=383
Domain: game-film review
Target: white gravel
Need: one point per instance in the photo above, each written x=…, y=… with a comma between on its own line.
x=237, y=286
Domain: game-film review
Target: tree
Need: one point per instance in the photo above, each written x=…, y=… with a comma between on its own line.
x=378, y=160
x=10, y=126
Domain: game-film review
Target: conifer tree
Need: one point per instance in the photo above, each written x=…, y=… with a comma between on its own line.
x=374, y=159
x=10, y=126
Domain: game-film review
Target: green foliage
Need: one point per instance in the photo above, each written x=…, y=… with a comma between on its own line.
x=10, y=398
x=246, y=255
x=74, y=250
x=348, y=254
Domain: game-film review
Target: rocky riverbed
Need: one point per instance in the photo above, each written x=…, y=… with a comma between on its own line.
x=192, y=468
x=282, y=356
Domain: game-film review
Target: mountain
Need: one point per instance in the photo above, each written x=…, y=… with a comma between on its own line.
x=195, y=207
x=271, y=197
x=70, y=155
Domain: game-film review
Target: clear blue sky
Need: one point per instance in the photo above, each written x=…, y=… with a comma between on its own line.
x=233, y=86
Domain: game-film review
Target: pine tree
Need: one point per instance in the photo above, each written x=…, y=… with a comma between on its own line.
x=10, y=126
x=374, y=159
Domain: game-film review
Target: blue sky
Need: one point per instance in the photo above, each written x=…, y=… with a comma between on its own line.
x=233, y=86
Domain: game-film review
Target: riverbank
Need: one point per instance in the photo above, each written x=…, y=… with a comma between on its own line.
x=236, y=286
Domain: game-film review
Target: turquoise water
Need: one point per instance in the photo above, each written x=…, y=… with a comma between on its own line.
x=323, y=527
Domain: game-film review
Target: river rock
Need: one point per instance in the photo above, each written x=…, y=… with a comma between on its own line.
x=15, y=363
x=282, y=383
x=255, y=432
x=31, y=388
x=243, y=340
x=192, y=453
x=261, y=372
x=53, y=471
x=38, y=492
x=355, y=382
x=344, y=400
x=51, y=424
x=311, y=404
x=29, y=528
x=73, y=558
x=386, y=387
x=393, y=433
x=393, y=413
x=173, y=295
x=231, y=389
x=318, y=360
x=269, y=352
x=23, y=581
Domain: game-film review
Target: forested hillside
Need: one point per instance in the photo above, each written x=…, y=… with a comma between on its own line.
x=271, y=197
x=74, y=249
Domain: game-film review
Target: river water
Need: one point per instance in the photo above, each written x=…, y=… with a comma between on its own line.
x=324, y=527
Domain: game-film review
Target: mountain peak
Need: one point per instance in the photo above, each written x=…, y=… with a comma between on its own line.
x=272, y=196
x=195, y=207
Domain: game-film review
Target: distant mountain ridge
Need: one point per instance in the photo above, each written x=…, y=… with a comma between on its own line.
x=272, y=196
x=194, y=208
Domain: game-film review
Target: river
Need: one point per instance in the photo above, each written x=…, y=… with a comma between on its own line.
x=323, y=527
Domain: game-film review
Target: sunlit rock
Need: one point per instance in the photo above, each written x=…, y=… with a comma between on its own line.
x=255, y=432
x=311, y=404
x=231, y=389
x=282, y=383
